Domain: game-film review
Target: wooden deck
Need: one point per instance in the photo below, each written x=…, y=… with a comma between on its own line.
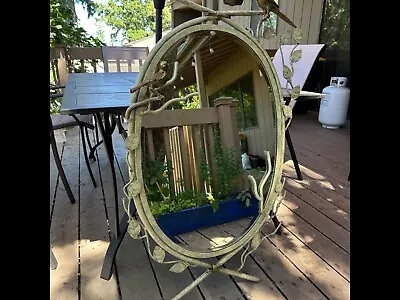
x=310, y=260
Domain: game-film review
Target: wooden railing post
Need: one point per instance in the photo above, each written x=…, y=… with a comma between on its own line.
x=61, y=57
x=226, y=108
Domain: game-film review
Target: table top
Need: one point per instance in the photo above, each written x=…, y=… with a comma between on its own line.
x=88, y=93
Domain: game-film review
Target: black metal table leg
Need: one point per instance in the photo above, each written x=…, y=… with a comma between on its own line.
x=293, y=154
x=93, y=149
x=59, y=166
x=121, y=128
x=109, y=258
x=106, y=131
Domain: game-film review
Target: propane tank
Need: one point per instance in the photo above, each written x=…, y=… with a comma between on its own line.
x=334, y=104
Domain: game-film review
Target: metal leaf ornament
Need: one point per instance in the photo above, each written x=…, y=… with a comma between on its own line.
x=295, y=56
x=179, y=267
x=287, y=111
x=133, y=228
x=295, y=92
x=297, y=35
x=158, y=254
x=285, y=38
x=134, y=188
x=255, y=242
x=132, y=142
x=287, y=73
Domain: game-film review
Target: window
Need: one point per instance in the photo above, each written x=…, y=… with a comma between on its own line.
x=242, y=90
x=269, y=25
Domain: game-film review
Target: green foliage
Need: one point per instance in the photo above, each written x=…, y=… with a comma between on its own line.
x=133, y=19
x=212, y=201
x=335, y=27
x=191, y=103
x=155, y=177
x=183, y=200
x=245, y=197
x=63, y=27
x=228, y=168
x=204, y=168
x=158, y=188
x=241, y=90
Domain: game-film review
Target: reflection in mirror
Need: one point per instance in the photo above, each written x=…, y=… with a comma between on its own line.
x=198, y=153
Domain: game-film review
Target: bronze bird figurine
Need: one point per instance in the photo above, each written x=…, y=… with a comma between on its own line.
x=158, y=76
x=270, y=5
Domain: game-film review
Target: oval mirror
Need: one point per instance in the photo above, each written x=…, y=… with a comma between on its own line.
x=205, y=145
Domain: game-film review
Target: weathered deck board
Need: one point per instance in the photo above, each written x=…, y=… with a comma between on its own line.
x=265, y=288
x=332, y=284
x=328, y=209
x=64, y=226
x=329, y=170
x=321, y=188
x=216, y=285
x=328, y=227
x=291, y=282
x=136, y=276
x=324, y=180
x=309, y=261
x=94, y=235
x=315, y=240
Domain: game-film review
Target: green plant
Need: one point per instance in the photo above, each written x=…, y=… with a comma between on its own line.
x=183, y=200
x=159, y=187
x=204, y=168
x=245, y=197
x=228, y=168
x=155, y=176
x=212, y=201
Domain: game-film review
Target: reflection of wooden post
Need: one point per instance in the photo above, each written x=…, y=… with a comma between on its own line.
x=60, y=55
x=226, y=108
x=200, y=80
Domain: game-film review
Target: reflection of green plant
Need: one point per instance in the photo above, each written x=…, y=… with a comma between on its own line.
x=193, y=102
x=155, y=176
x=183, y=200
x=241, y=90
x=228, y=168
x=212, y=201
x=159, y=189
x=245, y=196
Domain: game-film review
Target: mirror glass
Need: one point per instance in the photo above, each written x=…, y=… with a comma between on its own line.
x=197, y=153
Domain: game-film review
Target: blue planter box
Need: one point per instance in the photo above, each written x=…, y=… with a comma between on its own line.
x=192, y=219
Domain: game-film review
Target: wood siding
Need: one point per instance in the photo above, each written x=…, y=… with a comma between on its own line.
x=262, y=136
x=306, y=14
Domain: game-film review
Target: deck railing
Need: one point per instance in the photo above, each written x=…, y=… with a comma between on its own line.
x=64, y=60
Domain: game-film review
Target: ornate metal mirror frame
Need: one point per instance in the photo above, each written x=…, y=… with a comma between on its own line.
x=147, y=226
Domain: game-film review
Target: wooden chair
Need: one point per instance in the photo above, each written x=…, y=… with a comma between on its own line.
x=57, y=121
x=310, y=54
x=123, y=58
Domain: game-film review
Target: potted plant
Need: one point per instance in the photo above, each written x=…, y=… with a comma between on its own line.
x=191, y=210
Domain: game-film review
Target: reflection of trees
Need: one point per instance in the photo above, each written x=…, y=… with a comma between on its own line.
x=241, y=90
x=335, y=29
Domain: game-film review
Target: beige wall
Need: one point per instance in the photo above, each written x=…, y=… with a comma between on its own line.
x=306, y=14
x=262, y=136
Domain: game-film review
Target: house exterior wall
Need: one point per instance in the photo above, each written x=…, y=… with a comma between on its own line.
x=306, y=14
x=262, y=136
